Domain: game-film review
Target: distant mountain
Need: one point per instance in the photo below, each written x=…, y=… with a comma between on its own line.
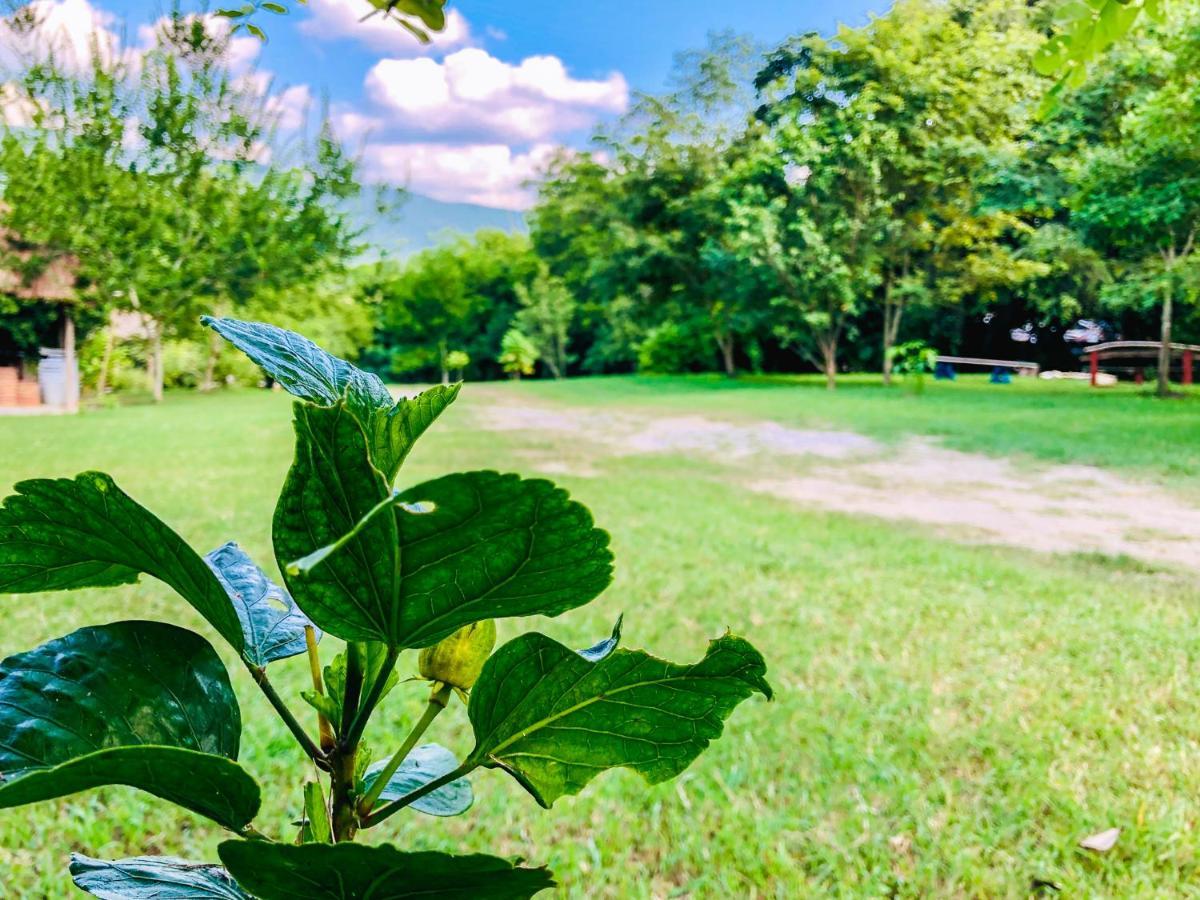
x=422, y=222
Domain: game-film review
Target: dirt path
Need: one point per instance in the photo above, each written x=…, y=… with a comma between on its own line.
x=969, y=497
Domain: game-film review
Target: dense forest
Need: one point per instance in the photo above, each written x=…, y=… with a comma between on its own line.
x=805, y=207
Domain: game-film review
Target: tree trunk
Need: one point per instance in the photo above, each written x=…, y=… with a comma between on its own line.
x=726, y=344
x=105, y=362
x=157, y=376
x=829, y=359
x=893, y=311
x=1164, y=351
x=210, y=365
x=442, y=361
x=551, y=361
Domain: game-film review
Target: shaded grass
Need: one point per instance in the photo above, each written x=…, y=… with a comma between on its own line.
x=950, y=720
x=1124, y=427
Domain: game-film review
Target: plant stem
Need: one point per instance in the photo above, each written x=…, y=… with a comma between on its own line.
x=314, y=664
x=352, y=733
x=395, y=806
x=306, y=743
x=350, y=695
x=437, y=702
x=341, y=794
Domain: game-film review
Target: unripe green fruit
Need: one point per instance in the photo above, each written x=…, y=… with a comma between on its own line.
x=458, y=659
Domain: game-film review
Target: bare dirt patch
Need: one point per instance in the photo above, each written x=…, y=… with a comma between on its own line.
x=967, y=496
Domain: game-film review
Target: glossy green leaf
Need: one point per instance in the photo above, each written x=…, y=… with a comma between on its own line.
x=420, y=767
x=554, y=720
x=330, y=487
x=308, y=372
x=272, y=624
x=301, y=367
x=484, y=546
x=394, y=432
x=457, y=550
x=494, y=546
x=59, y=534
x=153, y=878
x=357, y=872
x=136, y=703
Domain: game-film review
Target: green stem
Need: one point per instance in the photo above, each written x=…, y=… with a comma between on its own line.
x=351, y=695
x=437, y=702
x=395, y=806
x=353, y=732
x=306, y=743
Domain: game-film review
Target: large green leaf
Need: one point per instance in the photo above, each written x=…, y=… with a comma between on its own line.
x=421, y=766
x=58, y=534
x=330, y=487
x=272, y=624
x=494, y=546
x=308, y=372
x=471, y=546
x=136, y=703
x=554, y=720
x=357, y=872
x=153, y=878
x=394, y=431
x=301, y=367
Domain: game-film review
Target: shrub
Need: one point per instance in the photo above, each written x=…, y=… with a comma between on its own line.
x=425, y=569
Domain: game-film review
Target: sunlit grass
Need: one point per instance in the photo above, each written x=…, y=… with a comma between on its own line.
x=949, y=720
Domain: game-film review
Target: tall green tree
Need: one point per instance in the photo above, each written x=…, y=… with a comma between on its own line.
x=909, y=110
x=153, y=177
x=1138, y=197
x=547, y=311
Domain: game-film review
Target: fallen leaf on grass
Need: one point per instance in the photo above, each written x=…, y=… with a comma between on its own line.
x=1102, y=842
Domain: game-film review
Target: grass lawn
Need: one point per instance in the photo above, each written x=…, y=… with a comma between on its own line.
x=1124, y=427
x=949, y=720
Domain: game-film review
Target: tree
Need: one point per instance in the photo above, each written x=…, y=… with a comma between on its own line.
x=460, y=295
x=547, y=310
x=671, y=152
x=1139, y=198
x=917, y=102
x=151, y=176
x=518, y=354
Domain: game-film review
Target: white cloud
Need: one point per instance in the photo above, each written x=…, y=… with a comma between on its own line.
x=487, y=174
x=471, y=93
x=290, y=107
x=332, y=19
x=72, y=29
x=352, y=126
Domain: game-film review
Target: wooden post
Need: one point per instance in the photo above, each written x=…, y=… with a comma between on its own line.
x=70, y=381
x=1139, y=376
x=1095, y=367
x=1187, y=367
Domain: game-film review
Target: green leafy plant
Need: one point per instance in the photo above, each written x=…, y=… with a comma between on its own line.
x=425, y=569
x=914, y=360
x=518, y=354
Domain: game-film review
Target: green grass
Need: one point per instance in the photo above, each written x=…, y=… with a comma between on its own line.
x=950, y=720
x=1124, y=427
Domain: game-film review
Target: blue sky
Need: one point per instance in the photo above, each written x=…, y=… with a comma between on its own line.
x=472, y=117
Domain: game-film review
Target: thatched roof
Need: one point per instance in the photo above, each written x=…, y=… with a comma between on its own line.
x=55, y=283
